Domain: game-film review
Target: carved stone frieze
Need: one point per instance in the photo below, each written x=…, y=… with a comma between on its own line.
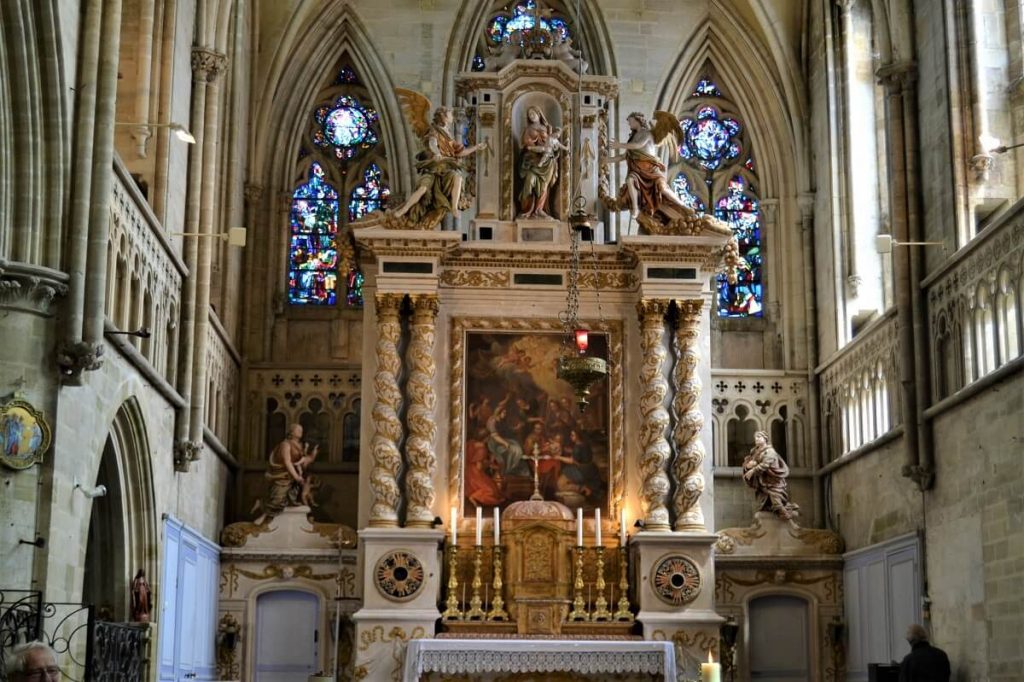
x=689, y=420
x=476, y=279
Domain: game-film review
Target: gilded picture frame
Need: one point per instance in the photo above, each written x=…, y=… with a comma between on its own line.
x=502, y=369
x=25, y=435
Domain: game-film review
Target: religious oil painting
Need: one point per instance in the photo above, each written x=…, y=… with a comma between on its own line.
x=24, y=435
x=523, y=428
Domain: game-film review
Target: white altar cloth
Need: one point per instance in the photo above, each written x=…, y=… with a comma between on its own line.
x=591, y=657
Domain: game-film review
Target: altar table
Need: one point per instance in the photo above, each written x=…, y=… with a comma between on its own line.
x=588, y=657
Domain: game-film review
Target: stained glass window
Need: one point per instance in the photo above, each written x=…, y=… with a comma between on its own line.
x=313, y=262
x=346, y=127
x=478, y=63
x=522, y=17
x=741, y=210
x=710, y=140
x=371, y=195
x=713, y=144
x=346, y=76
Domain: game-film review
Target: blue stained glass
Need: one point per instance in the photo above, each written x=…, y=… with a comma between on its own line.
x=354, y=297
x=742, y=211
x=710, y=141
x=706, y=88
x=502, y=26
x=313, y=248
x=371, y=195
x=345, y=126
x=346, y=76
x=681, y=186
x=478, y=63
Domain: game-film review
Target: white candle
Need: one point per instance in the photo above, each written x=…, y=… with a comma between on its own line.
x=454, y=525
x=622, y=527
x=479, y=526
x=710, y=671
x=497, y=527
x=579, y=527
x=597, y=527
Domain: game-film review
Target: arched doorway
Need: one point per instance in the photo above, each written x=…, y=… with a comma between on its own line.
x=779, y=639
x=122, y=523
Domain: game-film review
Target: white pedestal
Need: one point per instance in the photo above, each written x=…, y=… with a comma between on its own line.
x=390, y=618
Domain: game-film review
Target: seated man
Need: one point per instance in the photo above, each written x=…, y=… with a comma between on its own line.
x=32, y=662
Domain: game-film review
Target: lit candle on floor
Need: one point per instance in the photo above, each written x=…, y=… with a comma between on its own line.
x=622, y=527
x=497, y=527
x=454, y=525
x=597, y=527
x=579, y=526
x=710, y=671
x=479, y=526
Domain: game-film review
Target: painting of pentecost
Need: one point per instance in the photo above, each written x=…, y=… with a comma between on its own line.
x=519, y=415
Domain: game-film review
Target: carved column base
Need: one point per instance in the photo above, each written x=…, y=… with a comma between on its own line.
x=401, y=589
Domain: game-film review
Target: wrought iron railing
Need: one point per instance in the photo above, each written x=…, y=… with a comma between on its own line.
x=87, y=650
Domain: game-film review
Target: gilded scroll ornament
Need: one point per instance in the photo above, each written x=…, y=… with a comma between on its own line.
x=689, y=479
x=419, y=446
x=655, y=451
x=387, y=461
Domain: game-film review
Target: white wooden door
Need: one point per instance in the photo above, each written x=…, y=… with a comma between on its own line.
x=779, y=639
x=287, y=636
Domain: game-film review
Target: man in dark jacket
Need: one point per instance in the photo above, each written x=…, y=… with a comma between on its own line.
x=924, y=663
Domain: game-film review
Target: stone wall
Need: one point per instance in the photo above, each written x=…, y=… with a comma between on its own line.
x=973, y=521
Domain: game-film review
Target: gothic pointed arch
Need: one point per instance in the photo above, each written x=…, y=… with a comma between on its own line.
x=474, y=18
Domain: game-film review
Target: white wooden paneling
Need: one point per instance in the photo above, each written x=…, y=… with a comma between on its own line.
x=774, y=658
x=286, y=636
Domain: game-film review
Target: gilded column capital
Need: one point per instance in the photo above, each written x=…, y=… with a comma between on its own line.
x=388, y=303
x=207, y=64
x=690, y=308
x=647, y=308
x=425, y=304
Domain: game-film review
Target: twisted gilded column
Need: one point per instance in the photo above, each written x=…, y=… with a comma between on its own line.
x=686, y=387
x=387, y=460
x=654, y=420
x=419, y=446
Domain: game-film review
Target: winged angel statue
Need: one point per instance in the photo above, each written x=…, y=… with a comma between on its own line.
x=646, y=192
x=439, y=165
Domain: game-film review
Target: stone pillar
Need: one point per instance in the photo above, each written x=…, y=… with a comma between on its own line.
x=419, y=446
x=689, y=420
x=387, y=460
x=654, y=419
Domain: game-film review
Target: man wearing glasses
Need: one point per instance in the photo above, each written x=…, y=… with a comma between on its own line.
x=32, y=662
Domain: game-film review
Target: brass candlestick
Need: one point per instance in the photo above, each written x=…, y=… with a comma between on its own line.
x=623, y=612
x=579, y=607
x=497, y=611
x=452, y=611
x=475, y=603
x=601, y=611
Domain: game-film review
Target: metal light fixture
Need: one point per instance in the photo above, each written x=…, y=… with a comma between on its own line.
x=885, y=242
x=235, y=236
x=180, y=131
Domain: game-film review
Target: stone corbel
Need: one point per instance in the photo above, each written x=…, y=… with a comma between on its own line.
x=186, y=452
x=77, y=358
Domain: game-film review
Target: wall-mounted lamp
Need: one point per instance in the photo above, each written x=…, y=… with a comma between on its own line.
x=91, y=493
x=235, y=236
x=885, y=242
x=180, y=131
x=141, y=333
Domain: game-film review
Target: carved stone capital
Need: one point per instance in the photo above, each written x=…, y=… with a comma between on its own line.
x=897, y=76
x=388, y=304
x=30, y=288
x=846, y=5
x=690, y=309
x=651, y=308
x=253, y=193
x=426, y=305
x=207, y=64
x=77, y=358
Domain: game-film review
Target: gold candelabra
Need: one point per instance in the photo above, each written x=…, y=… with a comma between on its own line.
x=497, y=611
x=579, y=606
x=601, y=611
x=622, y=612
x=452, y=611
x=475, y=603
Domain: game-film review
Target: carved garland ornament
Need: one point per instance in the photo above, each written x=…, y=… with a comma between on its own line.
x=399, y=575
x=676, y=580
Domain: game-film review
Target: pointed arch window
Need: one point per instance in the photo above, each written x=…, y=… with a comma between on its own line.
x=718, y=171
x=343, y=176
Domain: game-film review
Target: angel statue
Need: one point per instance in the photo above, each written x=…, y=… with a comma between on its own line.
x=442, y=173
x=646, y=192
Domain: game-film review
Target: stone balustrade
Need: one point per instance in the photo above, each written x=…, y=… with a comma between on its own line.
x=974, y=306
x=144, y=276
